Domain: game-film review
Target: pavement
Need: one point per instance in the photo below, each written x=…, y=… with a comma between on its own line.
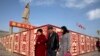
x=94, y=53
x=4, y=52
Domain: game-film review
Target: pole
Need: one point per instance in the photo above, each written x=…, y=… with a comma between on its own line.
x=11, y=30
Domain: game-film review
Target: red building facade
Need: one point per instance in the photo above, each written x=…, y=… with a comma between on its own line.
x=24, y=42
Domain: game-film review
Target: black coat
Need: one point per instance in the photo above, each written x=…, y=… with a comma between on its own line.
x=53, y=41
x=98, y=44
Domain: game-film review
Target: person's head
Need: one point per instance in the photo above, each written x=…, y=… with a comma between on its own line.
x=50, y=29
x=39, y=31
x=64, y=30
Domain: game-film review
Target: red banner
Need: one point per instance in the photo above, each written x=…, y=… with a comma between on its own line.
x=87, y=44
x=7, y=42
x=82, y=44
x=4, y=41
x=20, y=25
x=92, y=44
x=24, y=43
x=74, y=42
x=95, y=43
x=11, y=42
x=32, y=42
x=16, y=42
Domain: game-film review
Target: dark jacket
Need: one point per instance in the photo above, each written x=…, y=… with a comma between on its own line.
x=98, y=44
x=53, y=41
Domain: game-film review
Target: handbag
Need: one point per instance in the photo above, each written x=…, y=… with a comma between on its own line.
x=67, y=54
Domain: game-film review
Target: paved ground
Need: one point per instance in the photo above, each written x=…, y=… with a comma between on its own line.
x=95, y=53
x=4, y=52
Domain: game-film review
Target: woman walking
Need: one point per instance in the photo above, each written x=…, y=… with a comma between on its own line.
x=40, y=48
x=65, y=42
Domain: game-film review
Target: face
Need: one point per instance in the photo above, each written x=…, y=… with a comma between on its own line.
x=50, y=30
x=39, y=33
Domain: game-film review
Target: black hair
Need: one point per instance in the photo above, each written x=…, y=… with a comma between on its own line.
x=40, y=30
x=50, y=27
x=65, y=30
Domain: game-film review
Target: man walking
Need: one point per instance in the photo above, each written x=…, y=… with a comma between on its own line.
x=53, y=42
x=98, y=44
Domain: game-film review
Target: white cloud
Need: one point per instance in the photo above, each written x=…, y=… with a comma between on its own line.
x=94, y=14
x=43, y=2
x=26, y=1
x=64, y=3
x=38, y=2
x=78, y=3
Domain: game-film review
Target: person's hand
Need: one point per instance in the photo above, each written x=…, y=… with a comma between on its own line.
x=59, y=49
x=38, y=42
x=68, y=50
x=56, y=50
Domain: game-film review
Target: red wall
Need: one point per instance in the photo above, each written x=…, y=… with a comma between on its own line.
x=23, y=42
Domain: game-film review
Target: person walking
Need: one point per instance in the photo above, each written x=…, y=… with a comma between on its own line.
x=98, y=44
x=40, y=47
x=65, y=42
x=53, y=42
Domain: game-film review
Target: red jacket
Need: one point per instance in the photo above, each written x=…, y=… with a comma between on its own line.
x=40, y=48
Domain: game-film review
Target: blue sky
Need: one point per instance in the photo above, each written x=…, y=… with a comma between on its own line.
x=56, y=12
